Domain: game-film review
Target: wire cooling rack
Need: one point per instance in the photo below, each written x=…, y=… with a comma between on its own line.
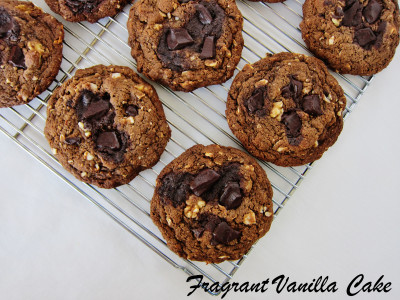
x=196, y=117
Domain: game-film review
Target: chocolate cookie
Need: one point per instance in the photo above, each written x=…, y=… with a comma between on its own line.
x=30, y=51
x=186, y=44
x=352, y=36
x=105, y=125
x=212, y=203
x=286, y=109
x=86, y=10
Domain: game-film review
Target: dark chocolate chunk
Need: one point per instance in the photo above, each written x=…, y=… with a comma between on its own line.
x=87, y=97
x=255, y=104
x=178, y=38
x=198, y=232
x=6, y=23
x=96, y=109
x=224, y=234
x=208, y=50
x=108, y=140
x=203, y=181
x=379, y=35
x=175, y=187
x=72, y=140
x=17, y=58
x=364, y=36
x=311, y=105
x=352, y=13
x=79, y=6
x=292, y=122
x=231, y=197
x=204, y=14
x=293, y=89
x=198, y=40
x=338, y=12
x=132, y=110
x=372, y=11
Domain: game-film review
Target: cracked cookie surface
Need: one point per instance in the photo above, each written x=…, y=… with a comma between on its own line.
x=286, y=109
x=186, y=44
x=212, y=203
x=86, y=10
x=352, y=36
x=30, y=51
x=105, y=125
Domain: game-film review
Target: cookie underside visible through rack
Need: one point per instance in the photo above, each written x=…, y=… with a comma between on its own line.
x=196, y=117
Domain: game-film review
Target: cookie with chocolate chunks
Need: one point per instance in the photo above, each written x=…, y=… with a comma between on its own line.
x=352, y=36
x=212, y=203
x=105, y=125
x=86, y=10
x=186, y=44
x=286, y=109
x=30, y=51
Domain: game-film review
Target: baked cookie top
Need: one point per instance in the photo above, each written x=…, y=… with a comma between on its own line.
x=286, y=108
x=352, y=36
x=86, y=10
x=186, y=44
x=212, y=203
x=105, y=125
x=30, y=51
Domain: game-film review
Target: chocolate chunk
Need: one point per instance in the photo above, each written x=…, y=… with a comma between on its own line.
x=231, y=197
x=79, y=6
x=96, y=109
x=178, y=38
x=175, y=187
x=208, y=50
x=6, y=23
x=352, y=13
x=229, y=172
x=132, y=110
x=293, y=89
x=87, y=97
x=338, y=12
x=364, y=36
x=17, y=58
x=255, y=104
x=204, y=14
x=203, y=181
x=372, y=11
x=311, y=105
x=198, y=232
x=72, y=140
x=292, y=122
x=379, y=35
x=108, y=140
x=224, y=234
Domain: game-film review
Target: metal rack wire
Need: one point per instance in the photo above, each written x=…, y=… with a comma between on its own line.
x=196, y=117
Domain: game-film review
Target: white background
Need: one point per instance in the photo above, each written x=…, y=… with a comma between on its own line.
x=344, y=220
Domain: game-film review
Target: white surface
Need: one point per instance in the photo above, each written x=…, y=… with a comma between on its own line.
x=343, y=221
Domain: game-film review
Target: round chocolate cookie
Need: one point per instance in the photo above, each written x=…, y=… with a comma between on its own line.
x=105, y=125
x=86, y=10
x=186, y=44
x=212, y=203
x=286, y=109
x=30, y=51
x=352, y=36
